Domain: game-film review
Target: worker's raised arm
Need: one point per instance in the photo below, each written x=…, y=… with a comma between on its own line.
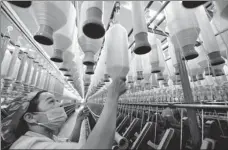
x=102, y=135
x=82, y=114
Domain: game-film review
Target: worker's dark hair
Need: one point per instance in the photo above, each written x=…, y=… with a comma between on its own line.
x=22, y=127
x=34, y=102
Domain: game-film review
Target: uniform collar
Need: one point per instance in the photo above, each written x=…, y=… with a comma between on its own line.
x=55, y=138
x=34, y=134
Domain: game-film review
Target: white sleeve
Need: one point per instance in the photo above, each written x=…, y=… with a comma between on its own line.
x=56, y=145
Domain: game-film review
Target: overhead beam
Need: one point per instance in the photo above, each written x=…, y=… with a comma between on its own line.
x=158, y=12
x=158, y=32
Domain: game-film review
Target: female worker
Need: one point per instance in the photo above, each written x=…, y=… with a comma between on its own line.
x=42, y=117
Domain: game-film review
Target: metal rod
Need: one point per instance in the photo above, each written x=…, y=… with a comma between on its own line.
x=112, y=15
x=130, y=32
x=162, y=41
x=202, y=125
x=181, y=136
x=224, y=30
x=208, y=4
x=159, y=32
x=148, y=5
x=160, y=22
x=158, y=12
x=202, y=106
x=194, y=106
x=167, y=46
x=131, y=44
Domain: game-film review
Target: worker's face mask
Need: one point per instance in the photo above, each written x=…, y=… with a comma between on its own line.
x=54, y=119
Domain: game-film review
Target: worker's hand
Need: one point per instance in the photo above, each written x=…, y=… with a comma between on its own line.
x=82, y=113
x=117, y=88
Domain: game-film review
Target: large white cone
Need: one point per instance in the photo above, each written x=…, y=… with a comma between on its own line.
x=21, y=4
x=146, y=67
x=130, y=73
x=193, y=69
x=68, y=56
x=218, y=25
x=101, y=65
x=142, y=45
x=87, y=79
x=93, y=26
x=218, y=70
x=64, y=36
x=117, y=51
x=154, y=59
x=70, y=53
x=173, y=56
x=88, y=45
x=208, y=37
x=49, y=16
x=161, y=56
x=192, y=4
x=138, y=66
x=203, y=61
x=183, y=28
x=154, y=82
x=5, y=63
